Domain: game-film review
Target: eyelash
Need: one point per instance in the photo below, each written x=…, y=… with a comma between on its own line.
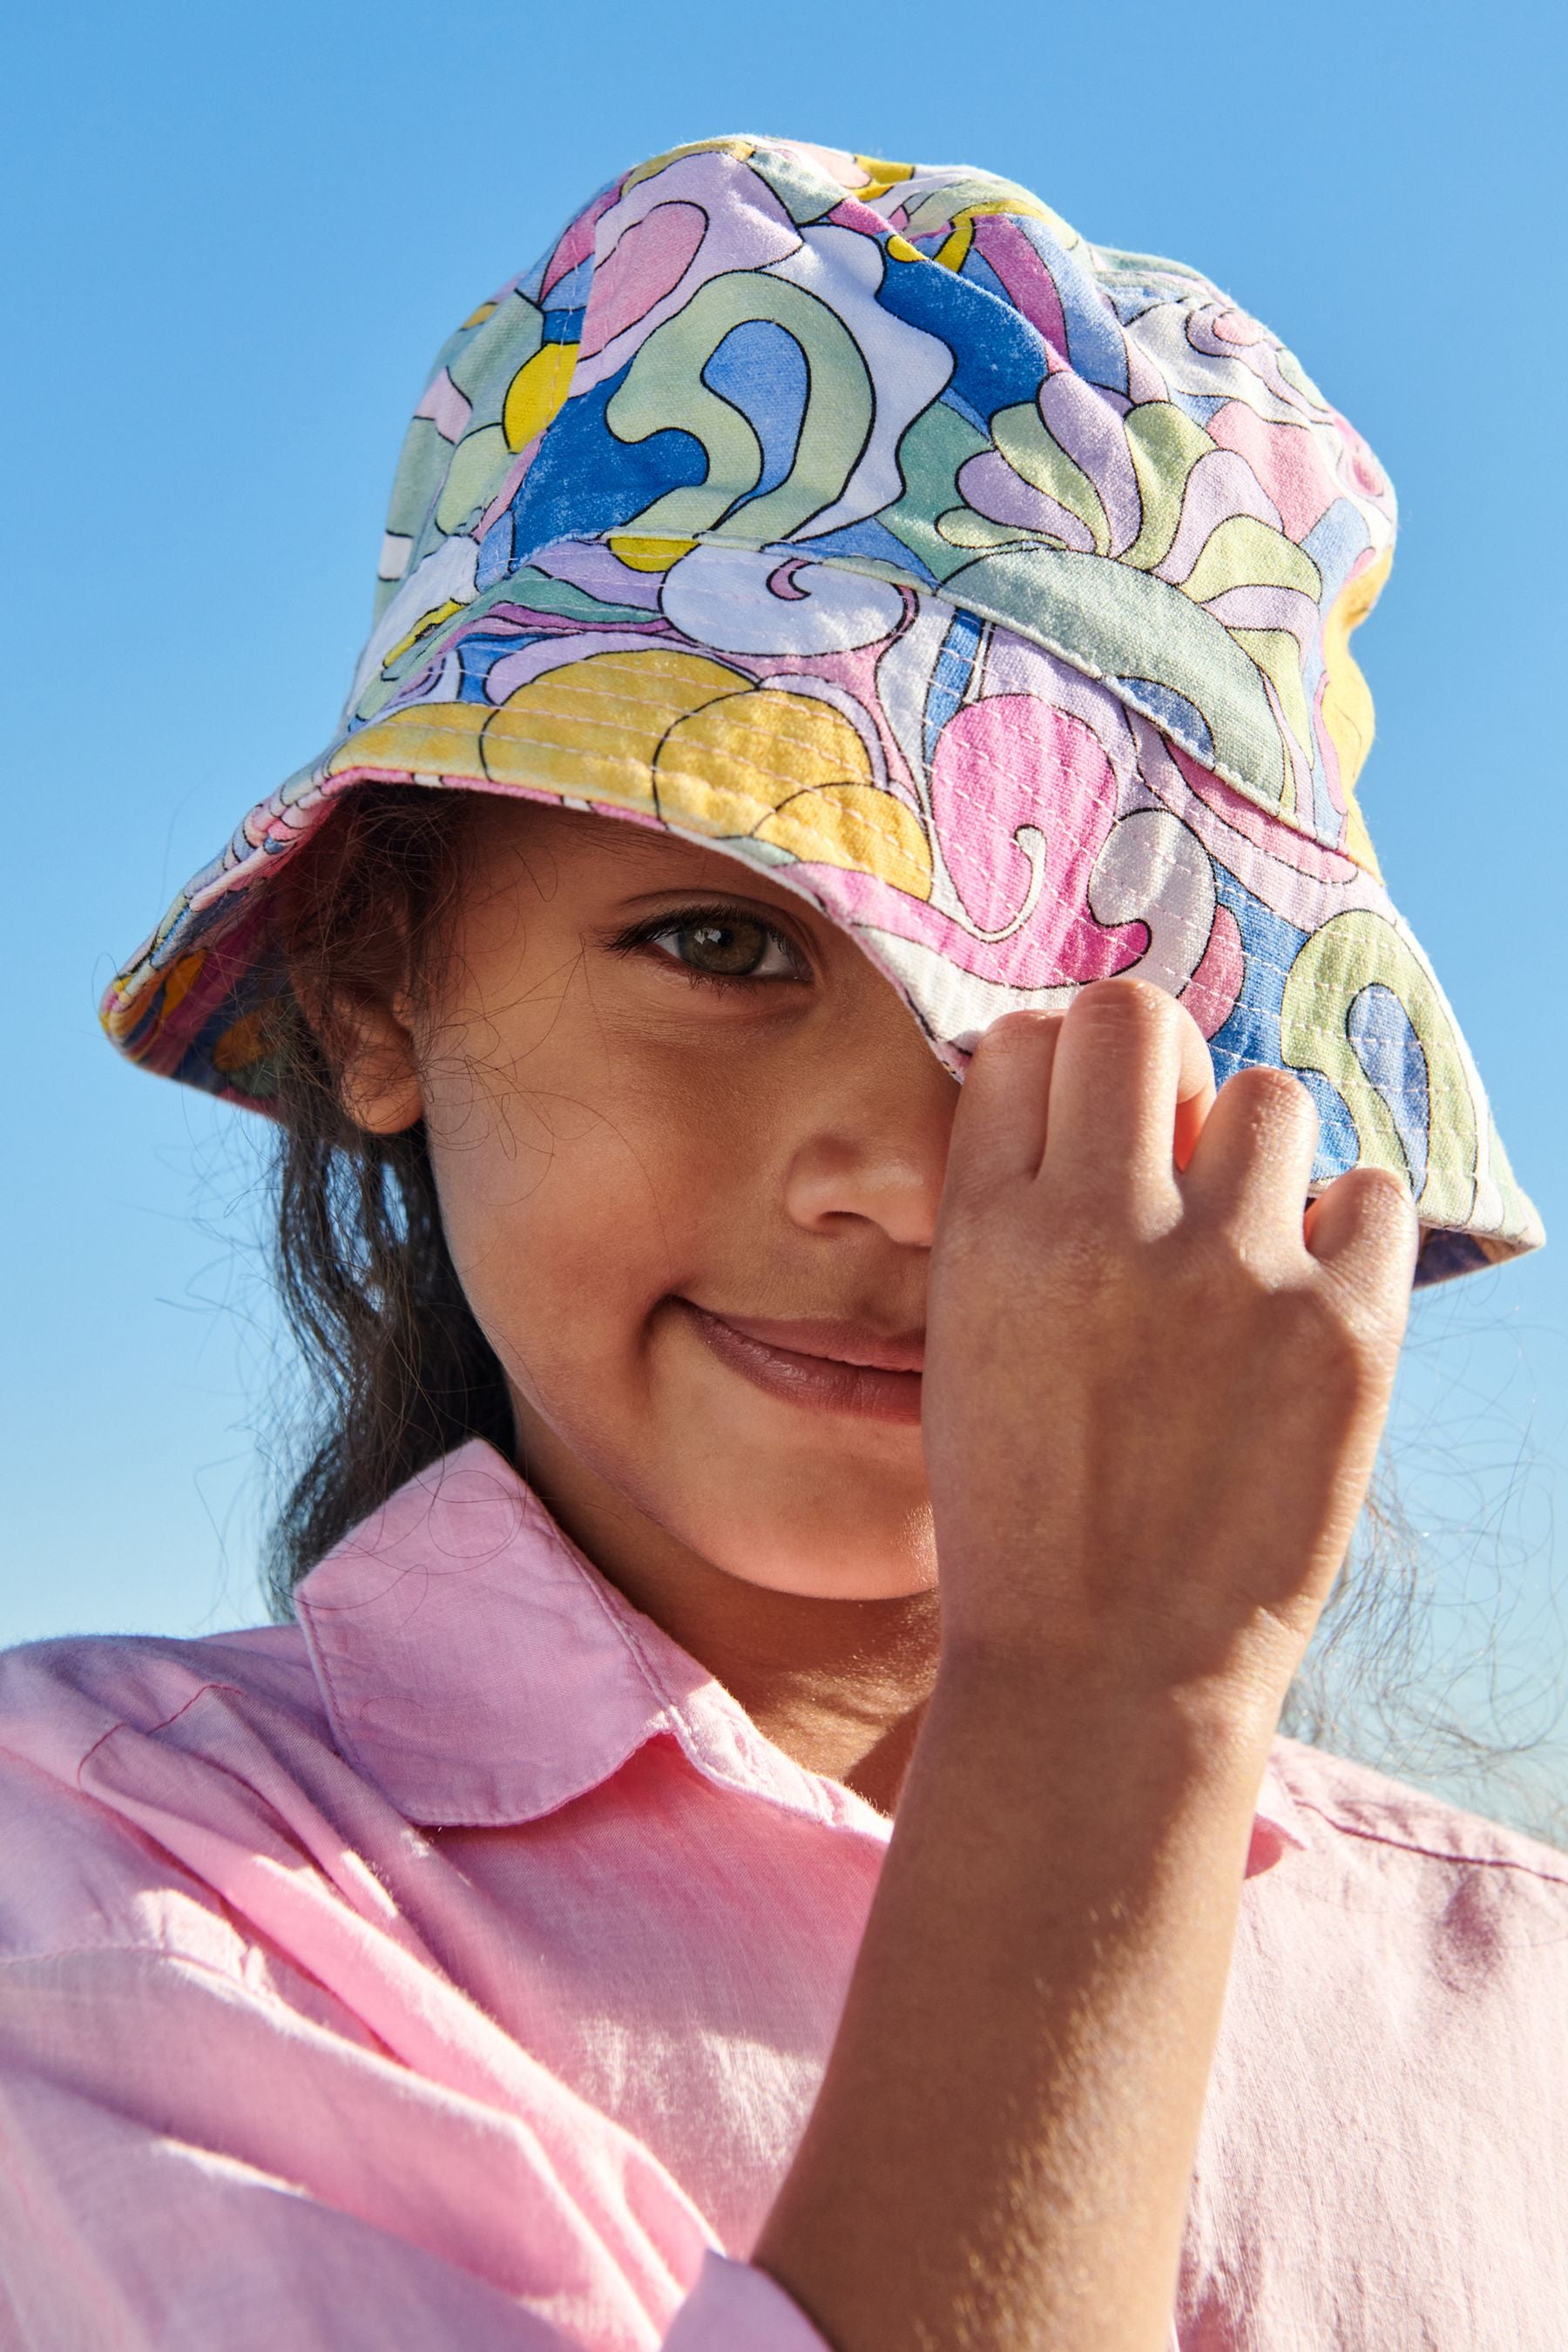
x=680, y=919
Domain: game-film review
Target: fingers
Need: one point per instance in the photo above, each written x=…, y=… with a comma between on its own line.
x=1251, y=1169
x=1131, y=1092
x=1364, y=1228
x=1254, y=1159
x=1000, y=1123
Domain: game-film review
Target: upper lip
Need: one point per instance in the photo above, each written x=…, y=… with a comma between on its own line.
x=840, y=1341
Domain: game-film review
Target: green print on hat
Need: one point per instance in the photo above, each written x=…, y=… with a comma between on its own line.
x=992, y=588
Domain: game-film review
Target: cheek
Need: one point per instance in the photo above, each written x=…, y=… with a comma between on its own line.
x=572, y=1210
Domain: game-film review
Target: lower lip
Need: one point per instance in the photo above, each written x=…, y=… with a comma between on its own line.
x=822, y=1382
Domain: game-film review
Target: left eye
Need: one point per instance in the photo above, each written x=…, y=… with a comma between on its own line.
x=727, y=947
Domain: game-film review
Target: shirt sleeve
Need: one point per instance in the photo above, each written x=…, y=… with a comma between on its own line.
x=366, y=2213
x=185, y=2162
x=733, y=2306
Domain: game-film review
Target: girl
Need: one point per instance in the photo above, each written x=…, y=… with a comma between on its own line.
x=838, y=631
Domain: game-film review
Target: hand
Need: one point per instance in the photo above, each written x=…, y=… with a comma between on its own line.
x=1153, y=1387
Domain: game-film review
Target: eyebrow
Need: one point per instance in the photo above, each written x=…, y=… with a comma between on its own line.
x=696, y=889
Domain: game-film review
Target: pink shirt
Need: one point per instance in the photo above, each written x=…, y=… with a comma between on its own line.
x=458, y=1967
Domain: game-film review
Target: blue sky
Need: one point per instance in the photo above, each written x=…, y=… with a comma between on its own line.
x=245, y=232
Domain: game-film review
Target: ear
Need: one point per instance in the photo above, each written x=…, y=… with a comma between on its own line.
x=346, y=932
x=364, y=1026
x=378, y=1070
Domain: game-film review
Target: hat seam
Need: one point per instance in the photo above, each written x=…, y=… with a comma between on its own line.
x=1440, y=1091
x=613, y=659
x=442, y=642
x=260, y=853
x=580, y=714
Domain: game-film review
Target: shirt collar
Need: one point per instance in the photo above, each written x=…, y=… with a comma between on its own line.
x=481, y=1672
x=479, y=1669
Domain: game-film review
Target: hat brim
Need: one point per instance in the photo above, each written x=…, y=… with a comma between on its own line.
x=992, y=842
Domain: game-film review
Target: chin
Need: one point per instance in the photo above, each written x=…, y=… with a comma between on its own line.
x=836, y=1559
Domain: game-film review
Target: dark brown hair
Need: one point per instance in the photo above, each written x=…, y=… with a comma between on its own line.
x=397, y=1370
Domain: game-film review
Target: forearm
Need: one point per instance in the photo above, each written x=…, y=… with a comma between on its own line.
x=1001, y=2152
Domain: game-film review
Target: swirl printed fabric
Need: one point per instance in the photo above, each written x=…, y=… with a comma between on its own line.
x=992, y=588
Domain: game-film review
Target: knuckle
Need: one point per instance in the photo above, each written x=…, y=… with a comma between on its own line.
x=1270, y=1098
x=1012, y=1033
x=1124, y=1008
x=1384, y=1233
x=1379, y=1196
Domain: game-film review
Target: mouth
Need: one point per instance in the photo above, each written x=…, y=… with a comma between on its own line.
x=821, y=1364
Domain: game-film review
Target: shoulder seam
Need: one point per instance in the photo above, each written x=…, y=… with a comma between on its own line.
x=151, y=1730
x=1531, y=1868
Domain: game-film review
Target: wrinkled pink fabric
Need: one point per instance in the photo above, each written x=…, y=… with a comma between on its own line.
x=458, y=1967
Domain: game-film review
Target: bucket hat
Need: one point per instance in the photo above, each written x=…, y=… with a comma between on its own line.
x=989, y=587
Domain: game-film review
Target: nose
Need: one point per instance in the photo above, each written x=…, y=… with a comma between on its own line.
x=874, y=1139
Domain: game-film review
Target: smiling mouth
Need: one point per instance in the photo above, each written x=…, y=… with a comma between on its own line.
x=821, y=1364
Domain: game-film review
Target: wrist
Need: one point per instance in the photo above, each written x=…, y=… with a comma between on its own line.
x=1099, y=1722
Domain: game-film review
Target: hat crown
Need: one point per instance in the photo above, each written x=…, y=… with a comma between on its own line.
x=989, y=588
x=923, y=372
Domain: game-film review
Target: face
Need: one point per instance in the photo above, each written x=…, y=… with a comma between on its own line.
x=688, y=1146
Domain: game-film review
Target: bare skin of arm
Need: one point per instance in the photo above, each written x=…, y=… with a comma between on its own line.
x=1153, y=1397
